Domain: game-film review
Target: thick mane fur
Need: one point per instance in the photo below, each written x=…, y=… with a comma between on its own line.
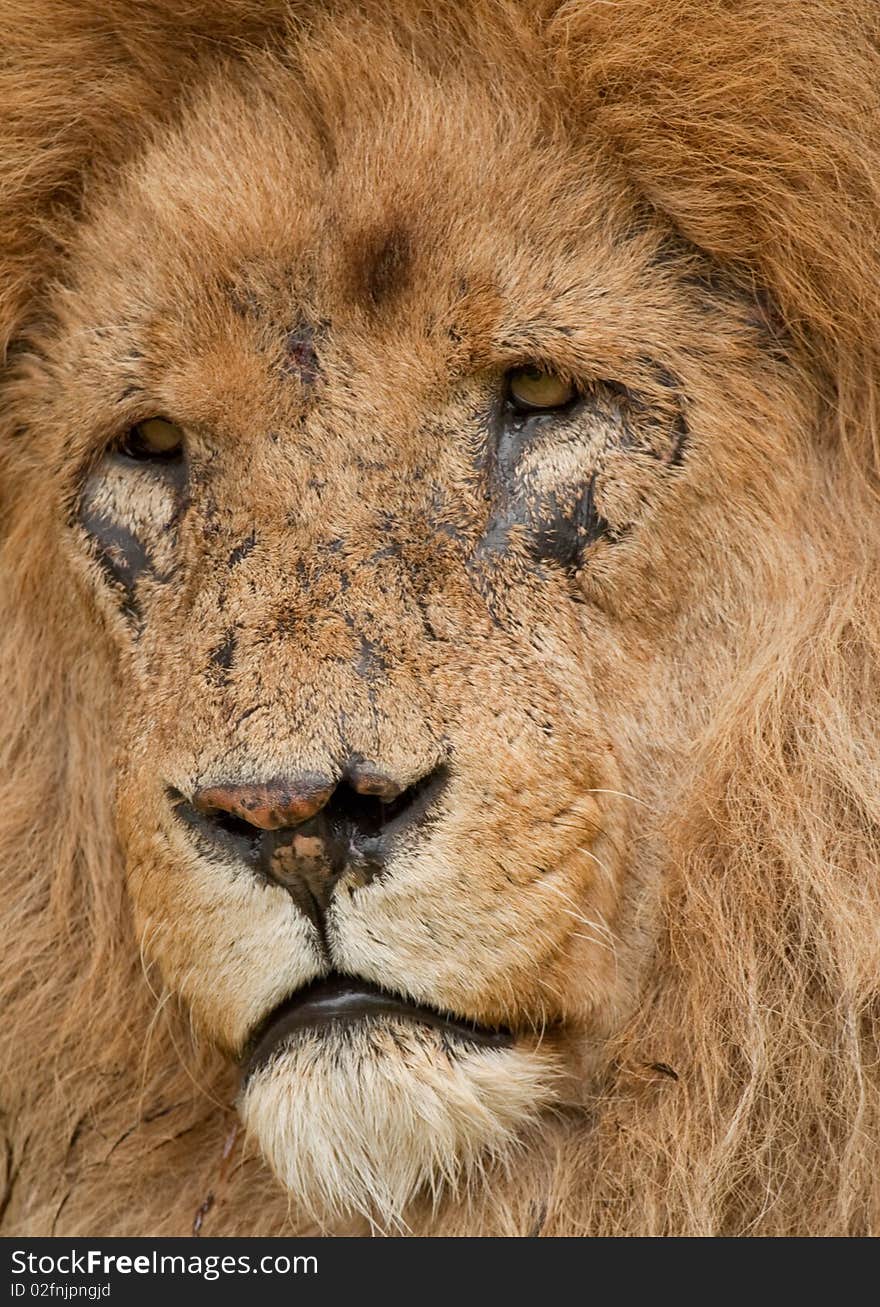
x=744, y=1096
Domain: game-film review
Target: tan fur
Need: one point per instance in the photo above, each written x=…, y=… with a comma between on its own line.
x=657, y=856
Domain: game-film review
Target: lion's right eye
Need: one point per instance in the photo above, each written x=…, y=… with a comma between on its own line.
x=156, y=440
x=533, y=390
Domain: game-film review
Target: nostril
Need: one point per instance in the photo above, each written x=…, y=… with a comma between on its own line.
x=371, y=813
x=214, y=826
x=409, y=798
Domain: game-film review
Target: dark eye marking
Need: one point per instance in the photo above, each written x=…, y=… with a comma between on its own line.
x=516, y=432
x=129, y=549
x=550, y=474
x=121, y=556
x=566, y=525
x=556, y=526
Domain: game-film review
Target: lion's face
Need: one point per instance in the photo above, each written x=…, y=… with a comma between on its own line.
x=405, y=472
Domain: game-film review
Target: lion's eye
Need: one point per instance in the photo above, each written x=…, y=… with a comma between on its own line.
x=531, y=389
x=156, y=438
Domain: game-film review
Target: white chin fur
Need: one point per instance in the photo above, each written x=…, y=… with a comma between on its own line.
x=364, y=1118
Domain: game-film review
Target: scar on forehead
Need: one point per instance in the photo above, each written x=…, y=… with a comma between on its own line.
x=381, y=260
x=300, y=354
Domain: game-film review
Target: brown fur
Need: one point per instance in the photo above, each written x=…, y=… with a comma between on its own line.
x=317, y=240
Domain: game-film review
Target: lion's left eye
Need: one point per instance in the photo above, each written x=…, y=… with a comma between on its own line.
x=531, y=389
x=156, y=438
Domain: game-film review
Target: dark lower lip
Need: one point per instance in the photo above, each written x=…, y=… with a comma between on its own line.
x=345, y=1000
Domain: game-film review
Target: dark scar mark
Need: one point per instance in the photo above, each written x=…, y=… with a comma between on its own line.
x=682, y=432
x=249, y=712
x=223, y=655
x=202, y=1211
x=680, y=428
x=370, y=664
x=392, y=550
x=300, y=355
x=241, y=551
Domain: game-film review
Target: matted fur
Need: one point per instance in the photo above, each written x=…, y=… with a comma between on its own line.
x=738, y=1092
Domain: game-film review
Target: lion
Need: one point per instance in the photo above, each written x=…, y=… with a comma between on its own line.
x=440, y=618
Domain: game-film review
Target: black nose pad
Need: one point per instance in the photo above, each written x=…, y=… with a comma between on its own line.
x=304, y=833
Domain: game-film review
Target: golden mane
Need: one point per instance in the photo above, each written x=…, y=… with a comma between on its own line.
x=744, y=1097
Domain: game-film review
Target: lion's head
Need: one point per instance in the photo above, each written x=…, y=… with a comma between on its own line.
x=440, y=557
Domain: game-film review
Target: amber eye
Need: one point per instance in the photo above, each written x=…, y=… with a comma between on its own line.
x=532, y=389
x=156, y=438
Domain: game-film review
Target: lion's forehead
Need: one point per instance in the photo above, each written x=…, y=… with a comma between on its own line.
x=443, y=225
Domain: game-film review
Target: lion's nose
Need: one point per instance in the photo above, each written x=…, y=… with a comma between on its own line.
x=305, y=832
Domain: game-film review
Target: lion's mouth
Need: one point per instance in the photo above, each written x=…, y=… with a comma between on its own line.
x=346, y=1000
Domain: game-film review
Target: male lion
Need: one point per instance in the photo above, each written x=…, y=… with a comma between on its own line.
x=440, y=617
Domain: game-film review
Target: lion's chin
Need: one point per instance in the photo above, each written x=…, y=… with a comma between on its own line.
x=365, y=1118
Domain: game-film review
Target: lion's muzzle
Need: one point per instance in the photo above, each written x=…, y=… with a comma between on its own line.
x=306, y=832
